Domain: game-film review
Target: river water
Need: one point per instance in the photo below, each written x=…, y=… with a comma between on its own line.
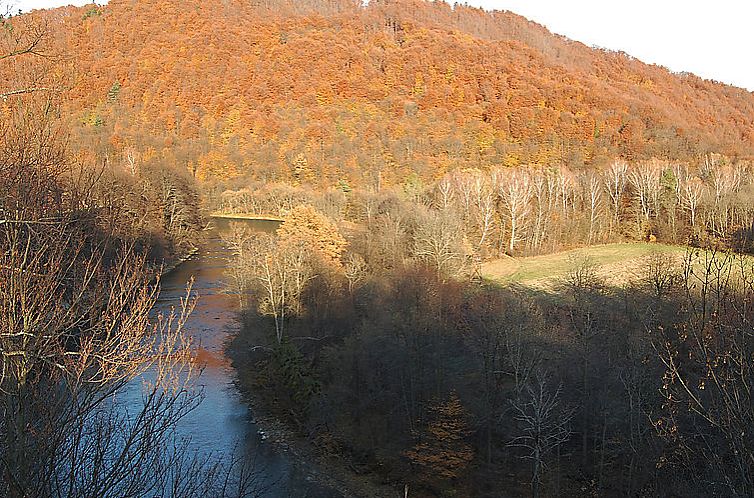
x=223, y=423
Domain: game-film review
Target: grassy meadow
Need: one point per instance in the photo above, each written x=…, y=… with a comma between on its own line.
x=617, y=264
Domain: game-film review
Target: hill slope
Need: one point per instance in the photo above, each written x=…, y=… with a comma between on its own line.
x=329, y=89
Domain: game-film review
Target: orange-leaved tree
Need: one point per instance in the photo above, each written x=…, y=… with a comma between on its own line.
x=442, y=453
x=306, y=225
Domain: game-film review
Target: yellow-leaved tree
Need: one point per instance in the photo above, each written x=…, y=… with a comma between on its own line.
x=305, y=225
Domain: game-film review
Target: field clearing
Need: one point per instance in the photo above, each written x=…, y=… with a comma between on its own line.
x=616, y=264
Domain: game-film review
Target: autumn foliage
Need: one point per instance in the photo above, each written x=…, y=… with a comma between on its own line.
x=443, y=453
x=329, y=90
x=305, y=225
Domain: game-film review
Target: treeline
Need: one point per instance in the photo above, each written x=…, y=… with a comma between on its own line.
x=322, y=91
x=456, y=388
x=475, y=215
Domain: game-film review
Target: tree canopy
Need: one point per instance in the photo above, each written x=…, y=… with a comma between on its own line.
x=322, y=92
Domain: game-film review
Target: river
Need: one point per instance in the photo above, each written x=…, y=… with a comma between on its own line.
x=223, y=422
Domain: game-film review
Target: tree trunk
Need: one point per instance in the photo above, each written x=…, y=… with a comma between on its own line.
x=536, y=477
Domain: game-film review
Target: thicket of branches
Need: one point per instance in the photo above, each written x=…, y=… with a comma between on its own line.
x=419, y=375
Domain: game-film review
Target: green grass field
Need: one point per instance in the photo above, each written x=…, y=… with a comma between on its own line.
x=617, y=264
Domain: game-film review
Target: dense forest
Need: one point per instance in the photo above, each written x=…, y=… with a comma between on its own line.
x=326, y=91
x=403, y=144
x=368, y=327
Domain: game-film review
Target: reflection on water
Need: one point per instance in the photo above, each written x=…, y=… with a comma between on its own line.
x=222, y=423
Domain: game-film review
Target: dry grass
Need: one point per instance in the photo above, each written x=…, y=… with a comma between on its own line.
x=616, y=264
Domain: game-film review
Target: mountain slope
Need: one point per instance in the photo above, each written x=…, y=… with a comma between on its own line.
x=329, y=89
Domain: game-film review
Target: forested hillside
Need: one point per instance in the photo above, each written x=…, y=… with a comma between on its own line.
x=330, y=90
x=415, y=154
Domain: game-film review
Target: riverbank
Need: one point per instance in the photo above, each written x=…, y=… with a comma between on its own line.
x=178, y=261
x=212, y=324
x=333, y=472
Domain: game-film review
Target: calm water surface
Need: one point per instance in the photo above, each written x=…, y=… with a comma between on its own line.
x=223, y=422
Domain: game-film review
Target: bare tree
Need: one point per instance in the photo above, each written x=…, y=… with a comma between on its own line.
x=565, y=192
x=707, y=415
x=438, y=242
x=278, y=274
x=355, y=270
x=660, y=272
x=515, y=193
x=130, y=156
x=446, y=193
x=484, y=204
x=595, y=204
x=543, y=204
x=693, y=194
x=463, y=182
x=544, y=424
x=237, y=239
x=725, y=182
x=645, y=179
x=583, y=289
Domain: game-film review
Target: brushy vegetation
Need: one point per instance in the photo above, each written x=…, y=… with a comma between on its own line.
x=418, y=378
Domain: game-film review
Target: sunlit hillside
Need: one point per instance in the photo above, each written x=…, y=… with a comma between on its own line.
x=320, y=91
